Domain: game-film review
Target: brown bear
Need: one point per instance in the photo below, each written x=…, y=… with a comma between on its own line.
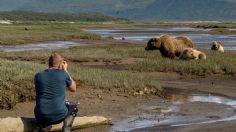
x=190, y=53
x=169, y=47
x=216, y=45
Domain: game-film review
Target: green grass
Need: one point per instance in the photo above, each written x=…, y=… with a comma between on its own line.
x=16, y=79
x=16, y=73
x=14, y=34
x=216, y=63
x=108, y=79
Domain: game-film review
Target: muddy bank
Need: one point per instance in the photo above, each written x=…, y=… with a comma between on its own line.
x=147, y=113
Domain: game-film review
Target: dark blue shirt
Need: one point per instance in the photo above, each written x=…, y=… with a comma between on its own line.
x=50, y=86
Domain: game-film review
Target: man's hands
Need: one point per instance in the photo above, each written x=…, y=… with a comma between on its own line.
x=63, y=66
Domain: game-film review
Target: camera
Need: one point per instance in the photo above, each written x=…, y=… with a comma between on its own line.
x=64, y=62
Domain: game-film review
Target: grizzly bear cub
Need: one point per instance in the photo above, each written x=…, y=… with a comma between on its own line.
x=190, y=53
x=216, y=45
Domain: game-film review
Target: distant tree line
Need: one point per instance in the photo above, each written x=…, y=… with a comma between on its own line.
x=42, y=16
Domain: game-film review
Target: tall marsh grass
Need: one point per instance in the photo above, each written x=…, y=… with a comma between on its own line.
x=16, y=79
x=16, y=83
x=107, y=79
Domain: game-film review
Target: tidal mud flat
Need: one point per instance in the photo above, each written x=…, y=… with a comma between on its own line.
x=184, y=105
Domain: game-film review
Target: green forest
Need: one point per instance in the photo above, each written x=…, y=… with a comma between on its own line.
x=66, y=17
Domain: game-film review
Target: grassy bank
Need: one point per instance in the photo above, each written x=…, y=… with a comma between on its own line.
x=22, y=33
x=16, y=82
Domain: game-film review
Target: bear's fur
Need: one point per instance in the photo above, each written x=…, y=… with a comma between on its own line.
x=190, y=53
x=216, y=45
x=169, y=47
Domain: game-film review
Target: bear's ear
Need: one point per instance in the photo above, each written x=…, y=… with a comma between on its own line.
x=156, y=39
x=218, y=42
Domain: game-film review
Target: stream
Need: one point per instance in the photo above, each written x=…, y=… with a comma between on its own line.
x=200, y=37
x=205, y=108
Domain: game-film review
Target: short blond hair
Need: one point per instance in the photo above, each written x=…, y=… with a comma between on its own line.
x=55, y=60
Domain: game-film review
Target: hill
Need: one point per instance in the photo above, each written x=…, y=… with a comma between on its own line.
x=41, y=16
x=186, y=10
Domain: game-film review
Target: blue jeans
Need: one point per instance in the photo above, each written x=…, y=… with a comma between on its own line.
x=67, y=121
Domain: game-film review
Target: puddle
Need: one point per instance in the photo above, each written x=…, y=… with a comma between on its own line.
x=212, y=108
x=51, y=45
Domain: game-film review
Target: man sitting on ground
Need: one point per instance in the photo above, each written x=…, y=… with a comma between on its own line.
x=51, y=84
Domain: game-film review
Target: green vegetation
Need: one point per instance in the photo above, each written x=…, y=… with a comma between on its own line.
x=18, y=69
x=36, y=32
x=107, y=79
x=216, y=63
x=17, y=75
x=16, y=82
x=57, y=17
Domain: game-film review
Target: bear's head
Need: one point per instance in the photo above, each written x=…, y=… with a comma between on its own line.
x=216, y=45
x=153, y=44
x=188, y=53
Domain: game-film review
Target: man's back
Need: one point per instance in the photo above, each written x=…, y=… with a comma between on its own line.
x=50, y=87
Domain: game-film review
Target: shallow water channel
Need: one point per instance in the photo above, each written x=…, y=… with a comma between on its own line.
x=200, y=37
x=184, y=109
x=51, y=45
